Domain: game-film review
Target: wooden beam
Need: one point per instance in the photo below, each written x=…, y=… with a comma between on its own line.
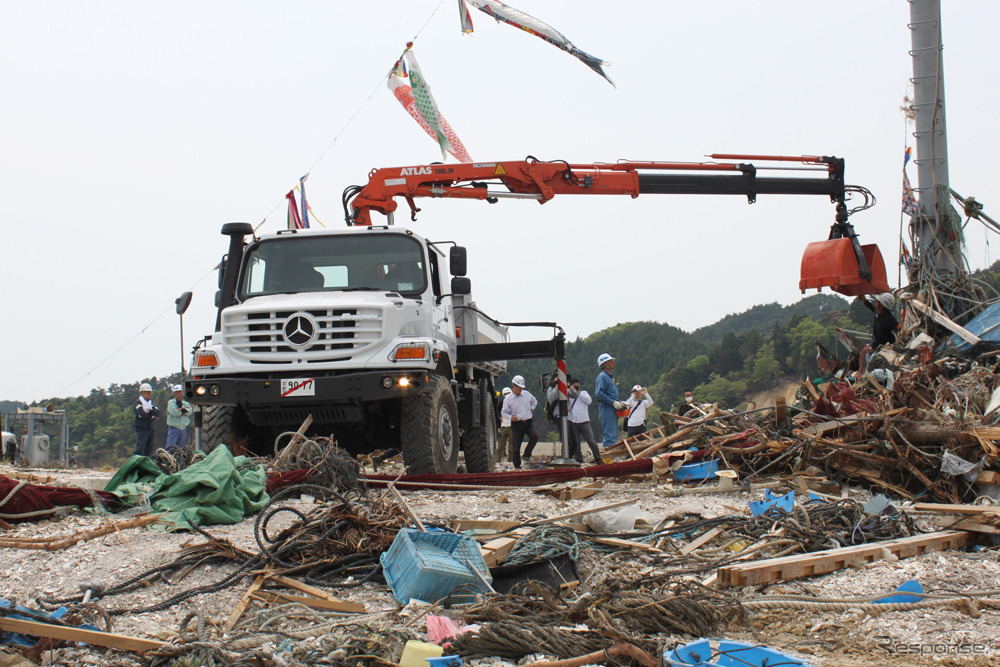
x=482, y=524
x=986, y=523
x=496, y=550
x=955, y=509
x=705, y=537
x=946, y=322
x=315, y=603
x=573, y=515
x=93, y=637
x=627, y=544
x=243, y=603
x=989, y=477
x=315, y=592
x=831, y=560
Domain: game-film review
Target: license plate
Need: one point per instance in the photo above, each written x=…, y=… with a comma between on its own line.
x=298, y=387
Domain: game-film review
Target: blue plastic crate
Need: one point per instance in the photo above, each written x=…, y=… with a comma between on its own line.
x=429, y=566
x=696, y=472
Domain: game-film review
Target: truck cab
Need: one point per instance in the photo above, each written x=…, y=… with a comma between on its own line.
x=359, y=328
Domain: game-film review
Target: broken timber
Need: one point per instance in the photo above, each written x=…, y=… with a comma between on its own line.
x=71, y=634
x=831, y=560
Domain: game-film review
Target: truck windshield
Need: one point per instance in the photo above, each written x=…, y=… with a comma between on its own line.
x=383, y=262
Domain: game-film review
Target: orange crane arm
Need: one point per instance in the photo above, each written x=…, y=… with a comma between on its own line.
x=534, y=179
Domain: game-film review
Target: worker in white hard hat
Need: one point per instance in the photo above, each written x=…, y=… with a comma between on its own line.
x=145, y=413
x=503, y=442
x=519, y=406
x=178, y=419
x=606, y=392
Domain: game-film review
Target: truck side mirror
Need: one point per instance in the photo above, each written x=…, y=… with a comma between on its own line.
x=458, y=261
x=218, y=298
x=461, y=286
x=182, y=302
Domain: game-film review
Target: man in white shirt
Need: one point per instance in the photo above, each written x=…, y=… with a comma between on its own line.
x=519, y=407
x=579, y=422
x=637, y=404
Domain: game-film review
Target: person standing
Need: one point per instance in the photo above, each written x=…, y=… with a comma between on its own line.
x=503, y=442
x=145, y=414
x=637, y=404
x=688, y=405
x=579, y=423
x=519, y=407
x=884, y=326
x=178, y=419
x=606, y=392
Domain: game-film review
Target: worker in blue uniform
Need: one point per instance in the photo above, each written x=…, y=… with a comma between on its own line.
x=606, y=392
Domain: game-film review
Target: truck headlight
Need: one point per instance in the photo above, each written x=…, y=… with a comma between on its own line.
x=410, y=352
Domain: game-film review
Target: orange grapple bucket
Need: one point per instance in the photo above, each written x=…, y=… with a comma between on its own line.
x=833, y=264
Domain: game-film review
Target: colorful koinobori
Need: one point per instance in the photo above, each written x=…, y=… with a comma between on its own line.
x=528, y=23
x=416, y=98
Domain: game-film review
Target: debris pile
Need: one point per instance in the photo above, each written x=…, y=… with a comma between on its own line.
x=858, y=470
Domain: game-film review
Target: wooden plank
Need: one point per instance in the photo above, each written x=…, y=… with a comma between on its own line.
x=705, y=537
x=946, y=322
x=315, y=603
x=977, y=524
x=65, y=633
x=811, y=389
x=474, y=524
x=311, y=590
x=989, y=477
x=956, y=509
x=573, y=515
x=582, y=491
x=496, y=550
x=780, y=411
x=627, y=544
x=831, y=560
x=244, y=603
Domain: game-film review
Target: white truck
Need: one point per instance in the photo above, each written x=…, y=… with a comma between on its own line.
x=370, y=330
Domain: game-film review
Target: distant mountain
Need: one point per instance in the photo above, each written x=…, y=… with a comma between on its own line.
x=764, y=317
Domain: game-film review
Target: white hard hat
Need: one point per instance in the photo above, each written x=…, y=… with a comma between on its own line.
x=637, y=388
x=518, y=381
x=604, y=358
x=177, y=387
x=506, y=390
x=886, y=299
x=145, y=387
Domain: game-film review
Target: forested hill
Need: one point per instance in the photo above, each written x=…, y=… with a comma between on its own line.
x=764, y=317
x=741, y=354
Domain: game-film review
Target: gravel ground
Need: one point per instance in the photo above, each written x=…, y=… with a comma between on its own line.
x=851, y=637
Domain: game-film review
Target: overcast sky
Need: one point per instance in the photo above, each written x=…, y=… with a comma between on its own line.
x=132, y=131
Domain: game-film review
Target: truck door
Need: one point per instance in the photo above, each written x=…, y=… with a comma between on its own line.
x=444, y=317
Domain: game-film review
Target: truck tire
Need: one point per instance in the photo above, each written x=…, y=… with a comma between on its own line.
x=429, y=430
x=480, y=443
x=216, y=426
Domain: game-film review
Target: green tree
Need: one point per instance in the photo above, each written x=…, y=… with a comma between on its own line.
x=765, y=365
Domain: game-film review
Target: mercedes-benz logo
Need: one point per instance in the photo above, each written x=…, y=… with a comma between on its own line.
x=299, y=329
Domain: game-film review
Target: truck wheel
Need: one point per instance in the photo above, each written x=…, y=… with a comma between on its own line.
x=480, y=443
x=429, y=430
x=216, y=426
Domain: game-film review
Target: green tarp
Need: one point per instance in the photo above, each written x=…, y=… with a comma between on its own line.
x=219, y=489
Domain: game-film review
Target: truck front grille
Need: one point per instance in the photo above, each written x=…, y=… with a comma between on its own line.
x=331, y=333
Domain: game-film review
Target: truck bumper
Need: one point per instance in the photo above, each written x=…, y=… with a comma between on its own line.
x=330, y=398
